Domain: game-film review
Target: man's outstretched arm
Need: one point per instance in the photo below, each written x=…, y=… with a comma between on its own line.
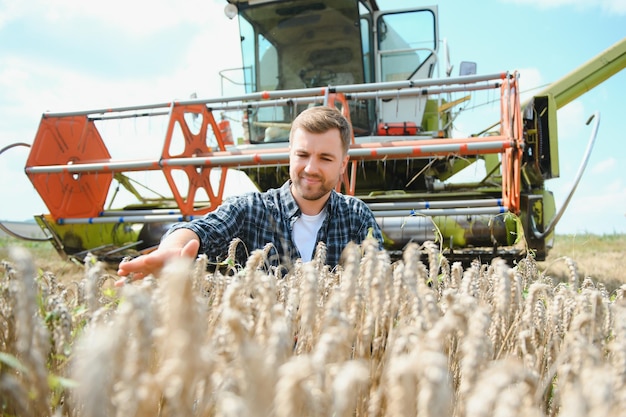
x=179, y=243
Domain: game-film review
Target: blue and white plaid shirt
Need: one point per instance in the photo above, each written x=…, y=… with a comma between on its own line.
x=261, y=218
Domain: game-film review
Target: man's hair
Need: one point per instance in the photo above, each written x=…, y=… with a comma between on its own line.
x=321, y=119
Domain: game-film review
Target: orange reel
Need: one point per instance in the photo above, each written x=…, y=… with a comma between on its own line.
x=63, y=141
x=195, y=144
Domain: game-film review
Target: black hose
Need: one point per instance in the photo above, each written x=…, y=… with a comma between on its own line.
x=540, y=235
x=2, y=226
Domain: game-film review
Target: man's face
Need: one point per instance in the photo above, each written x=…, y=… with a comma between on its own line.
x=316, y=163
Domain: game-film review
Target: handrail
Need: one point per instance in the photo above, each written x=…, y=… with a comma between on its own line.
x=291, y=94
x=85, y=172
x=399, y=149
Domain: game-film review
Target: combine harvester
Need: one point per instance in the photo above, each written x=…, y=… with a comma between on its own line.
x=387, y=71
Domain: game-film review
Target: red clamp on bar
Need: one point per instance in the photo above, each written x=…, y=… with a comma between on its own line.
x=398, y=129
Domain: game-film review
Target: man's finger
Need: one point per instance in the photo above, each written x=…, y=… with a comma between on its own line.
x=190, y=250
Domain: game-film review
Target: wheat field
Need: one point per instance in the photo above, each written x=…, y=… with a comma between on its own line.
x=372, y=338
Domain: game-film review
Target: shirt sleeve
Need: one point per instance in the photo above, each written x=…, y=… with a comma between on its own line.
x=218, y=228
x=367, y=224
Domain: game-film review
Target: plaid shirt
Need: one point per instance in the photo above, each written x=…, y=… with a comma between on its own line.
x=261, y=218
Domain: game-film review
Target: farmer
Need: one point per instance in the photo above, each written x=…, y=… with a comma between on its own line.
x=294, y=218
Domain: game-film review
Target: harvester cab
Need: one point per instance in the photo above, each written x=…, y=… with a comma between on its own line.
x=383, y=70
x=386, y=70
x=309, y=44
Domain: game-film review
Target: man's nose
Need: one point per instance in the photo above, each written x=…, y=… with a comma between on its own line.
x=311, y=166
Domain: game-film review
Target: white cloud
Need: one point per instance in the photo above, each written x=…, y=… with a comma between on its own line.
x=206, y=56
x=608, y=6
x=137, y=17
x=571, y=121
x=604, y=166
x=604, y=194
x=531, y=82
x=595, y=208
x=31, y=85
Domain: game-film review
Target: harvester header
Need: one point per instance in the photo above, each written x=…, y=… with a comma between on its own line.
x=385, y=70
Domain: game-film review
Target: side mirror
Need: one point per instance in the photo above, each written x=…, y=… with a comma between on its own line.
x=467, y=68
x=231, y=11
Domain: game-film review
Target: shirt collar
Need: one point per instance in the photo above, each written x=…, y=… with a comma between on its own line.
x=291, y=207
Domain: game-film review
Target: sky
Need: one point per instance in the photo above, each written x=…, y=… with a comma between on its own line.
x=69, y=55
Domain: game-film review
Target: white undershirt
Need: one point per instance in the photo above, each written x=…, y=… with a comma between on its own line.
x=305, y=233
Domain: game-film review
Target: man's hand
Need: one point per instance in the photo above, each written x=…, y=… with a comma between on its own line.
x=180, y=243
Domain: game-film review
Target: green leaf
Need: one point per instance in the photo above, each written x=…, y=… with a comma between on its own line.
x=56, y=382
x=12, y=362
x=109, y=292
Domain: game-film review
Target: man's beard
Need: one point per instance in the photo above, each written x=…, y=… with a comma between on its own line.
x=315, y=192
